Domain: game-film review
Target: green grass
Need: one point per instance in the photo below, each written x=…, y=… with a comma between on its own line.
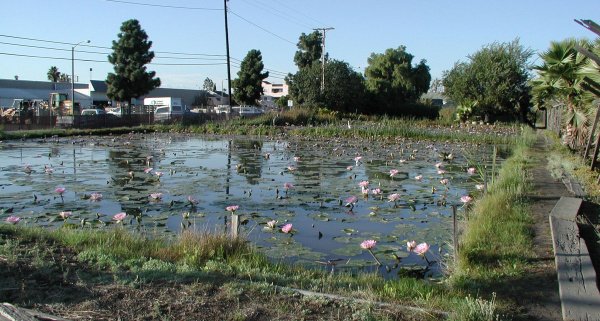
x=497, y=238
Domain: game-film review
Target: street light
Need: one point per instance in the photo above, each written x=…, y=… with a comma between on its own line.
x=73, y=74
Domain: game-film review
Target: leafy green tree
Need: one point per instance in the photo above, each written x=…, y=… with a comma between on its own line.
x=209, y=85
x=344, y=88
x=130, y=55
x=282, y=102
x=309, y=49
x=53, y=74
x=248, y=85
x=392, y=77
x=494, y=82
x=64, y=78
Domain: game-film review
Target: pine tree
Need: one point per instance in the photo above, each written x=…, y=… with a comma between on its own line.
x=130, y=55
x=248, y=85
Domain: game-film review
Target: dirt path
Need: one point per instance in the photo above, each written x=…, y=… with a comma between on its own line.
x=540, y=297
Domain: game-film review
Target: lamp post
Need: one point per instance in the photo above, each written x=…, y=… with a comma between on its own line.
x=223, y=88
x=73, y=74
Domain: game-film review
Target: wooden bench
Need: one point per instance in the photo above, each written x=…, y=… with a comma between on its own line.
x=579, y=295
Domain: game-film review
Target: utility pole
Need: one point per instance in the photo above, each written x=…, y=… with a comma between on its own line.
x=323, y=31
x=228, y=63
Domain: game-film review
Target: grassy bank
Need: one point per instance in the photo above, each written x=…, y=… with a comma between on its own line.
x=497, y=240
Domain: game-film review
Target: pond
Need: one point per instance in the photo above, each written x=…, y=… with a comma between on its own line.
x=166, y=183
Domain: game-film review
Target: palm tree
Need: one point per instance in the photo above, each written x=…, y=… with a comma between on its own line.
x=53, y=74
x=559, y=84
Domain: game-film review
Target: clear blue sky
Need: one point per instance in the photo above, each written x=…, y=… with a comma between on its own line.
x=440, y=31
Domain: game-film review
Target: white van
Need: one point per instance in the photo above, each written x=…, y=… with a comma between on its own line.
x=165, y=108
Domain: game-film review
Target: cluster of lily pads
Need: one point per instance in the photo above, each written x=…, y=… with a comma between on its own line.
x=322, y=192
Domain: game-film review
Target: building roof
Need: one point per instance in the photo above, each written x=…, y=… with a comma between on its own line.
x=99, y=86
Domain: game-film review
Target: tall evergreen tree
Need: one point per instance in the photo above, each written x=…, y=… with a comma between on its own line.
x=131, y=52
x=309, y=49
x=209, y=85
x=248, y=85
x=53, y=74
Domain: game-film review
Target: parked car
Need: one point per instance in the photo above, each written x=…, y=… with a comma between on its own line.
x=248, y=111
x=92, y=112
x=170, y=113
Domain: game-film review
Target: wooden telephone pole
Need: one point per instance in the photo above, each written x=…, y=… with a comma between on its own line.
x=323, y=31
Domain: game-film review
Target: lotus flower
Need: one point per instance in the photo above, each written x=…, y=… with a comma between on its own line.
x=148, y=170
x=65, y=215
x=421, y=249
x=479, y=187
x=95, y=196
x=349, y=168
x=466, y=199
x=350, y=201
x=232, y=208
x=13, y=219
x=357, y=159
x=368, y=244
x=119, y=217
x=286, y=228
x=364, y=191
x=419, y=178
x=471, y=170
x=376, y=191
x=363, y=184
x=287, y=186
x=159, y=174
x=60, y=190
x=444, y=181
x=394, y=197
x=156, y=196
x=192, y=200
x=394, y=172
x=296, y=159
x=410, y=245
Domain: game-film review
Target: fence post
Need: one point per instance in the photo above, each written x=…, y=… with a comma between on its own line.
x=235, y=222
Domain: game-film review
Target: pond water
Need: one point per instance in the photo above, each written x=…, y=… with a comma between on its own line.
x=252, y=173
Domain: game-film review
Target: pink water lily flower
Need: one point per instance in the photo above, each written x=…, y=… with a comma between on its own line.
x=296, y=159
x=368, y=244
x=159, y=174
x=394, y=197
x=441, y=172
x=64, y=215
x=394, y=172
x=471, y=170
x=349, y=168
x=287, y=186
x=13, y=219
x=350, y=201
x=419, y=178
x=363, y=184
x=444, y=181
x=192, y=200
x=60, y=190
x=357, y=159
x=364, y=191
x=421, y=249
x=148, y=170
x=376, y=191
x=95, y=196
x=439, y=165
x=119, y=217
x=466, y=199
x=286, y=228
x=410, y=245
x=156, y=196
x=232, y=208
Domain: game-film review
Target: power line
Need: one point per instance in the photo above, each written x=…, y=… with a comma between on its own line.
x=261, y=28
x=101, y=47
x=299, y=12
x=277, y=12
x=163, y=6
x=106, y=61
